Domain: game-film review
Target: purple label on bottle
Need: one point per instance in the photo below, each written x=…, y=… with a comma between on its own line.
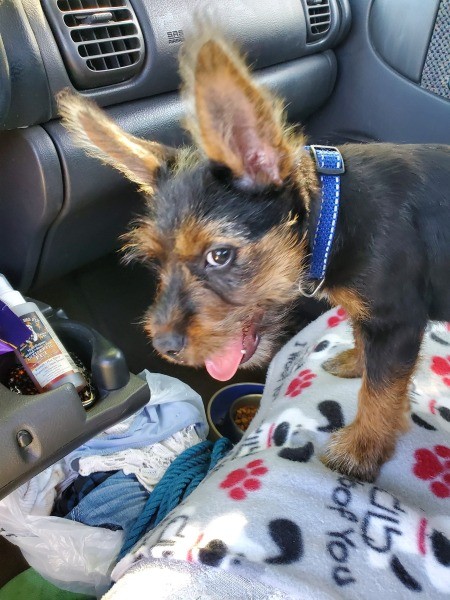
x=13, y=332
x=4, y=348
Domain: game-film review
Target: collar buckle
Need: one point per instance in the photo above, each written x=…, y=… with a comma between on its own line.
x=316, y=289
x=318, y=152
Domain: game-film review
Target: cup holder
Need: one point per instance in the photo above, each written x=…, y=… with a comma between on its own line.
x=37, y=430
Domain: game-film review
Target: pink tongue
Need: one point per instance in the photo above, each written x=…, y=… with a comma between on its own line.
x=224, y=365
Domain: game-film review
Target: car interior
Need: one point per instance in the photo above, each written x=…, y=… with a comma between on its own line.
x=347, y=70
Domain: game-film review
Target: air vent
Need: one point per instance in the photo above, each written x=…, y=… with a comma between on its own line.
x=318, y=19
x=100, y=40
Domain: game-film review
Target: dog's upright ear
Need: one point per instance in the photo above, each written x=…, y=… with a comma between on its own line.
x=233, y=120
x=139, y=160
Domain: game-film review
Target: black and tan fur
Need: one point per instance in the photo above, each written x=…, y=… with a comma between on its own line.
x=248, y=197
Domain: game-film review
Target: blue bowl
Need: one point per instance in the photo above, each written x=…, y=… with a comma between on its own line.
x=218, y=409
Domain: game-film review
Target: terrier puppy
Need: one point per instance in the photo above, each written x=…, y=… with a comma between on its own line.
x=231, y=226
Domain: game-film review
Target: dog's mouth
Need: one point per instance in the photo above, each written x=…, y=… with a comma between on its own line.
x=224, y=364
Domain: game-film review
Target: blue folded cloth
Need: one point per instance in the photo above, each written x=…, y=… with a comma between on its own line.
x=81, y=487
x=114, y=504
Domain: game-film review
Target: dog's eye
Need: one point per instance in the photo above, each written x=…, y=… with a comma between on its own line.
x=219, y=257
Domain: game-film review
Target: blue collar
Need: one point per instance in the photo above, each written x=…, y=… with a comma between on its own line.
x=329, y=165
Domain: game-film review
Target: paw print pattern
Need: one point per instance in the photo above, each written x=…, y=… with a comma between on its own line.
x=303, y=380
x=434, y=465
x=441, y=366
x=247, y=479
x=337, y=318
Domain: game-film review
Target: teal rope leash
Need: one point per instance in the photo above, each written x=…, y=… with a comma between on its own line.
x=181, y=478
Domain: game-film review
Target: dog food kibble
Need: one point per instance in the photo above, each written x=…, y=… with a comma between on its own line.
x=244, y=415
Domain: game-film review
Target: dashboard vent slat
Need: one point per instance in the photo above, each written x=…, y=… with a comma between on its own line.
x=100, y=40
x=318, y=19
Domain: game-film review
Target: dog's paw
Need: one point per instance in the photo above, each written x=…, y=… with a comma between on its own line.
x=347, y=364
x=351, y=452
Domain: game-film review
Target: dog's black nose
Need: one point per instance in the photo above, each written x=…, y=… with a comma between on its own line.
x=170, y=343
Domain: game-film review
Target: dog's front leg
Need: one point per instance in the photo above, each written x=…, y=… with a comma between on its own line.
x=350, y=363
x=363, y=446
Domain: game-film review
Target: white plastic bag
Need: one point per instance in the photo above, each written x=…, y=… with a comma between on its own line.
x=73, y=556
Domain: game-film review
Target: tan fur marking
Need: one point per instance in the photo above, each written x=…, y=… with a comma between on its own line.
x=277, y=273
x=350, y=363
x=143, y=242
x=305, y=175
x=363, y=446
x=211, y=330
x=102, y=138
x=187, y=158
x=351, y=301
x=194, y=238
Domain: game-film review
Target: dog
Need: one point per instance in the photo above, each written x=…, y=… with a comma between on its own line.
x=230, y=226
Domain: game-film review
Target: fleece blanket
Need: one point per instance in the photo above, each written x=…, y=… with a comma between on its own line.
x=271, y=521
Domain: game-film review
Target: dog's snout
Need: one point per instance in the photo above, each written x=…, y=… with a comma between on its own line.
x=171, y=343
